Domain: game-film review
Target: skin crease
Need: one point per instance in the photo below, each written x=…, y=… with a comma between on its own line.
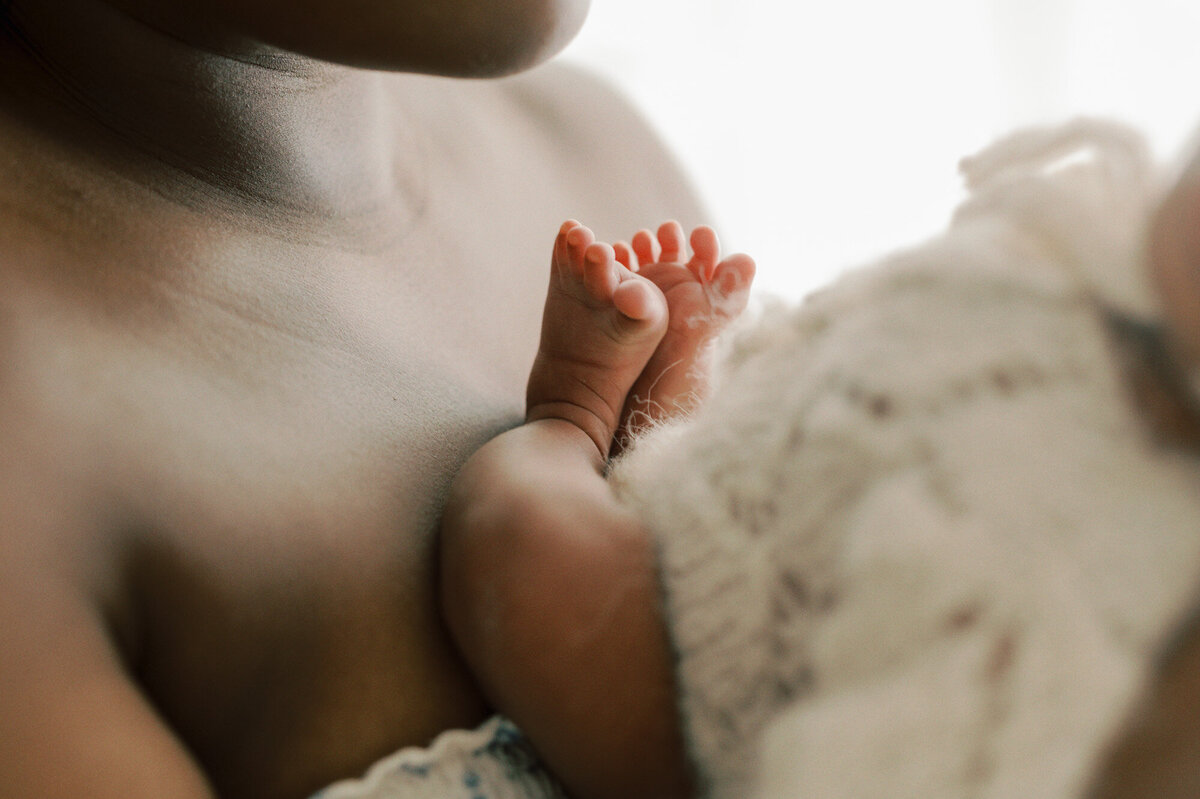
x=257, y=308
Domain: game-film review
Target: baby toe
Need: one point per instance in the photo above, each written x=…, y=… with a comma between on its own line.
x=600, y=271
x=670, y=237
x=732, y=278
x=646, y=247
x=625, y=256
x=706, y=251
x=579, y=239
x=639, y=300
x=560, y=257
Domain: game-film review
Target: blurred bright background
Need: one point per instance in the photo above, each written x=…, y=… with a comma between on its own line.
x=824, y=134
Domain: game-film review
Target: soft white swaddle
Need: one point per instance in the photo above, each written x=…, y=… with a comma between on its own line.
x=917, y=543
x=919, y=538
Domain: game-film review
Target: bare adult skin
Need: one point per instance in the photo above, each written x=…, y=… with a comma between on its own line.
x=256, y=309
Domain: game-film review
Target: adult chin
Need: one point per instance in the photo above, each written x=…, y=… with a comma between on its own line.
x=461, y=38
x=480, y=38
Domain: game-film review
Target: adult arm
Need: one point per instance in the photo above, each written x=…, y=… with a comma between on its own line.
x=72, y=723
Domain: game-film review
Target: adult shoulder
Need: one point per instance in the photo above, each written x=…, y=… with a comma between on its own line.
x=61, y=618
x=61, y=671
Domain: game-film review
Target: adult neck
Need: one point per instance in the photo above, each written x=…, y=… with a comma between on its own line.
x=206, y=117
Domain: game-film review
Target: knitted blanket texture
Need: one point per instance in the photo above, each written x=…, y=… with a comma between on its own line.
x=919, y=542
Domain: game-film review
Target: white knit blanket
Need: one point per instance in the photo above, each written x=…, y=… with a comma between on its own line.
x=919, y=543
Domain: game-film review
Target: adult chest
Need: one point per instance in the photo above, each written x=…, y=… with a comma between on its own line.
x=293, y=562
x=285, y=619
x=267, y=490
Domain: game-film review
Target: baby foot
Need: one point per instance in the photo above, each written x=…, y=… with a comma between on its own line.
x=601, y=324
x=703, y=295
